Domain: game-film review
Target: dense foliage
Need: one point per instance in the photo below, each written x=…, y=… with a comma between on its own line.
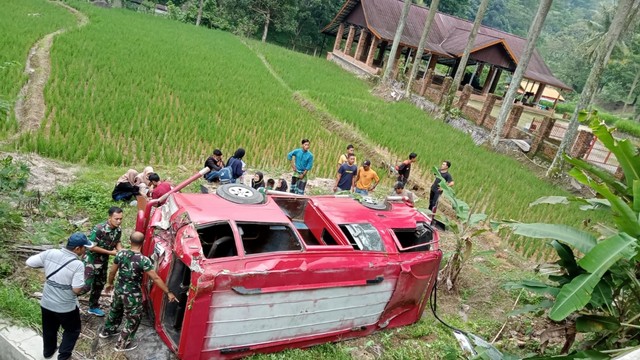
x=595, y=284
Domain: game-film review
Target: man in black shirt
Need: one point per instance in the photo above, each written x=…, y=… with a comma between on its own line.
x=435, y=192
x=214, y=163
x=404, y=169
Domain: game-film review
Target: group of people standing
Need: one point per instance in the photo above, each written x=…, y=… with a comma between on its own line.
x=81, y=267
x=360, y=179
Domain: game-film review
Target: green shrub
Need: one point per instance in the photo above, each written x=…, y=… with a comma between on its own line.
x=13, y=175
x=92, y=197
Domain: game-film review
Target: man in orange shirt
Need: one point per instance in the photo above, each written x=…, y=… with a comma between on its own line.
x=366, y=179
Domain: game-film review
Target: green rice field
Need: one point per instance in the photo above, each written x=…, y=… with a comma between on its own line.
x=132, y=89
x=22, y=23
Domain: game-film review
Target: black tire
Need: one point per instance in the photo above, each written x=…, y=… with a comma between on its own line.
x=374, y=204
x=240, y=194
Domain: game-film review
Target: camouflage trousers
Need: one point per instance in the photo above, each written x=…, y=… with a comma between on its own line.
x=95, y=276
x=129, y=306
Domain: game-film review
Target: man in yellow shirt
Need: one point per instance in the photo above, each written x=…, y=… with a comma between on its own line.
x=345, y=157
x=366, y=179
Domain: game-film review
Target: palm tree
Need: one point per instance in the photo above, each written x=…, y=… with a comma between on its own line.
x=625, y=13
x=433, y=9
x=396, y=40
x=523, y=63
x=465, y=57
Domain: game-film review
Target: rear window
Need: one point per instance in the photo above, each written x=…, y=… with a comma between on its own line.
x=264, y=238
x=363, y=237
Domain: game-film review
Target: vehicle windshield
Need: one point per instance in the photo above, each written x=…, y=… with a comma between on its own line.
x=363, y=237
x=263, y=238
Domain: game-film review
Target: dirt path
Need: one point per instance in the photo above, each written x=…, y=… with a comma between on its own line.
x=31, y=107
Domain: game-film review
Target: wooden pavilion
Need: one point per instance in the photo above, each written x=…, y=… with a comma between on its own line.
x=371, y=24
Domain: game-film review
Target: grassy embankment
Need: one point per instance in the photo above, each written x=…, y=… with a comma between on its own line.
x=22, y=23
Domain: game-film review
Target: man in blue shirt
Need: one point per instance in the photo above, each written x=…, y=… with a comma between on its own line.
x=301, y=165
x=346, y=180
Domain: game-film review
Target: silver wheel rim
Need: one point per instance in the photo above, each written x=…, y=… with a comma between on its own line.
x=369, y=200
x=239, y=191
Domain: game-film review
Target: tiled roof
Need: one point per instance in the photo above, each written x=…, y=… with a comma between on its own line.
x=448, y=35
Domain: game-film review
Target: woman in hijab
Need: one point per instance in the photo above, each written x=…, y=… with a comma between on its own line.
x=282, y=185
x=235, y=164
x=258, y=181
x=142, y=180
x=126, y=187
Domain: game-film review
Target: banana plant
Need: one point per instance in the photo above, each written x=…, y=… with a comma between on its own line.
x=466, y=225
x=598, y=285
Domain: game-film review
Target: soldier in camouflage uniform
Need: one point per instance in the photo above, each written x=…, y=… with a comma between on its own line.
x=127, y=298
x=106, y=237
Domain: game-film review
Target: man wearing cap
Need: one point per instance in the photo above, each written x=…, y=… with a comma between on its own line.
x=398, y=190
x=214, y=163
x=64, y=273
x=130, y=265
x=366, y=179
x=106, y=237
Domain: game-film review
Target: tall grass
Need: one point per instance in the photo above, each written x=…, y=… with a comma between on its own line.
x=22, y=23
x=131, y=88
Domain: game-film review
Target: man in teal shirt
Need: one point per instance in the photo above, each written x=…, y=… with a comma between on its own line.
x=301, y=165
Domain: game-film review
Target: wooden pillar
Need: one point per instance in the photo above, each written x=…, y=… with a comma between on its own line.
x=479, y=71
x=496, y=80
x=432, y=62
x=536, y=98
x=347, y=45
x=372, y=50
x=336, y=45
x=489, y=80
x=361, y=43
x=555, y=103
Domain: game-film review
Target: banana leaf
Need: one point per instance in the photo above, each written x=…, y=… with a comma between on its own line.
x=577, y=293
x=625, y=152
x=596, y=323
x=567, y=259
x=579, y=239
x=624, y=217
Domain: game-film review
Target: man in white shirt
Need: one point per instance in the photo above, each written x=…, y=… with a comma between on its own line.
x=64, y=273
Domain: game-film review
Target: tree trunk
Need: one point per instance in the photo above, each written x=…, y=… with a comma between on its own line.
x=633, y=88
x=465, y=58
x=523, y=62
x=199, y=17
x=396, y=40
x=433, y=8
x=588, y=92
x=267, y=19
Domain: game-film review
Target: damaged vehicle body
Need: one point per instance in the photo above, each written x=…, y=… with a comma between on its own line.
x=262, y=273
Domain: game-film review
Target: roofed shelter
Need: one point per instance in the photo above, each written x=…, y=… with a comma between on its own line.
x=370, y=25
